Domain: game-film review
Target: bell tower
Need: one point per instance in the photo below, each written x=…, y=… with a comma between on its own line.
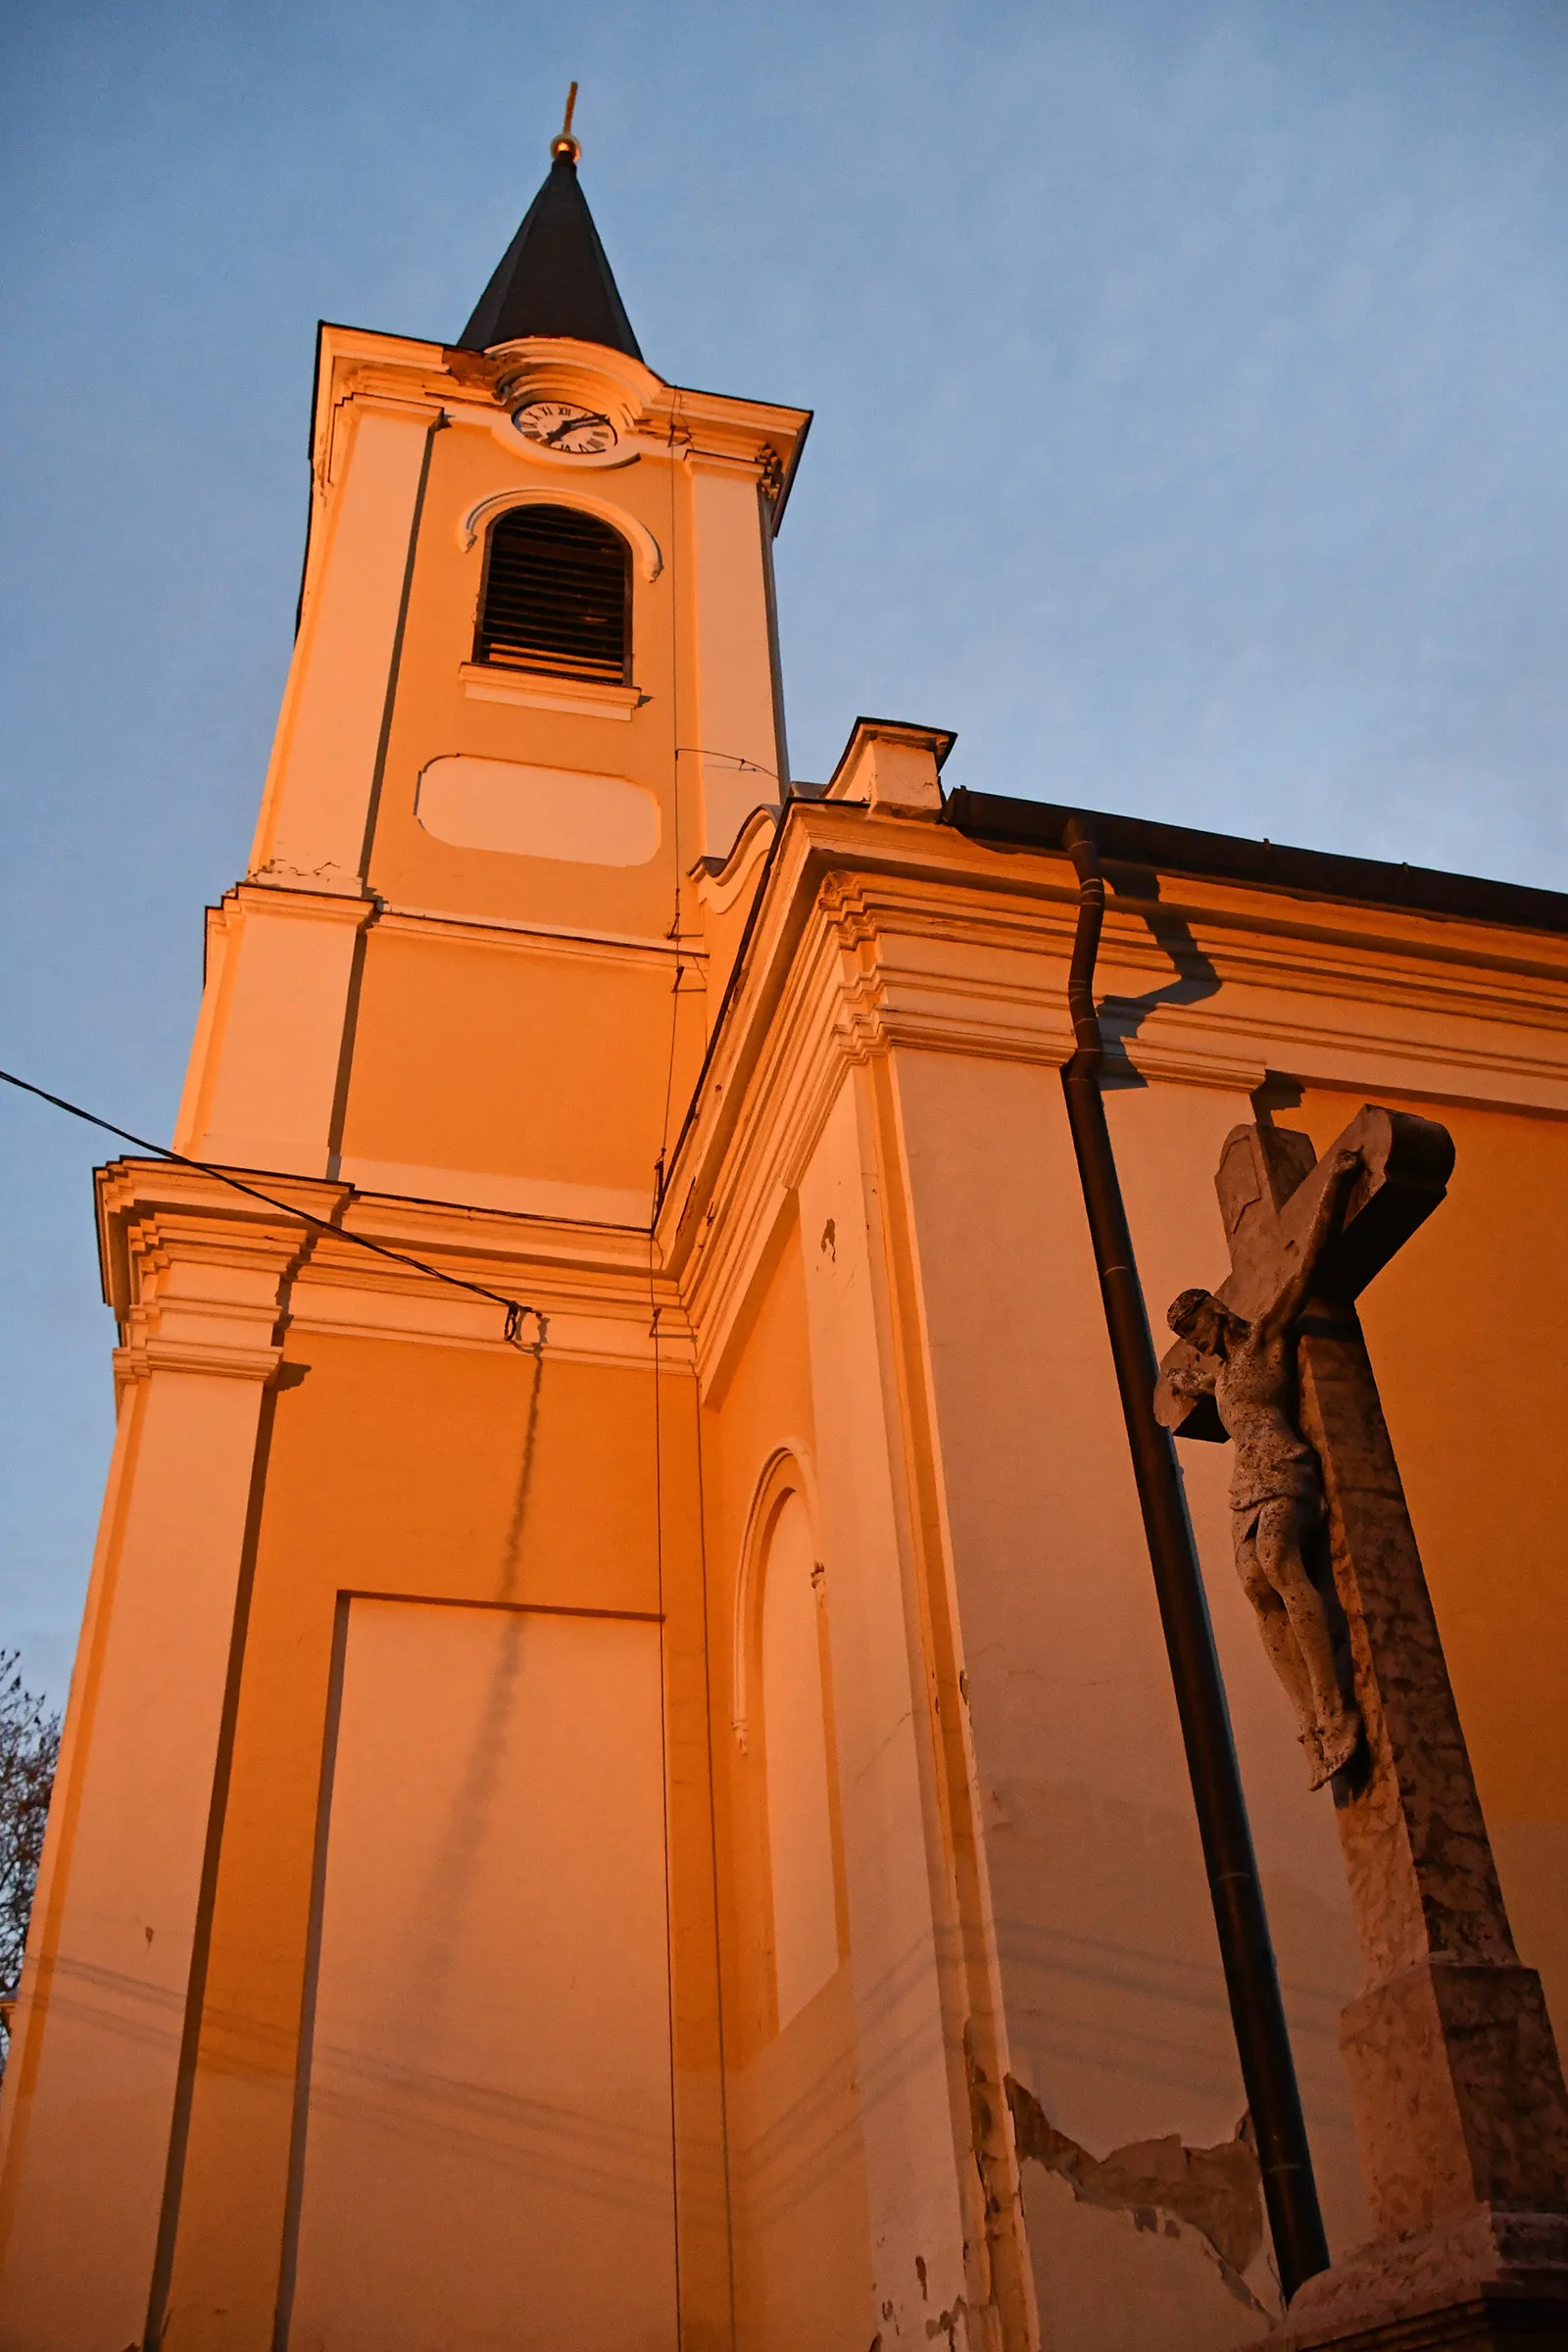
x=371, y=1996
x=534, y=685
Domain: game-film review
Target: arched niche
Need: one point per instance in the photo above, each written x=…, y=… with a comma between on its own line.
x=783, y=1689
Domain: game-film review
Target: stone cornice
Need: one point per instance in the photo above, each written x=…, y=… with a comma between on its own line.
x=593, y=946
x=191, y=1293
x=357, y=368
x=212, y=1280
x=876, y=932
x=269, y=894
x=139, y=1359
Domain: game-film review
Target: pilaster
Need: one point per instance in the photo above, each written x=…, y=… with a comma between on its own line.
x=93, y=2095
x=928, y=2227
x=318, y=802
x=267, y=1069
x=735, y=738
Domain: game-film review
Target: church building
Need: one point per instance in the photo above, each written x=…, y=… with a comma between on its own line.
x=668, y=1752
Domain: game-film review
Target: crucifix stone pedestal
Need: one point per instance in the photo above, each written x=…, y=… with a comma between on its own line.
x=1455, y=2081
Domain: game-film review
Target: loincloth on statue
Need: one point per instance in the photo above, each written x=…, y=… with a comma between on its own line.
x=1272, y=1464
x=1298, y=1483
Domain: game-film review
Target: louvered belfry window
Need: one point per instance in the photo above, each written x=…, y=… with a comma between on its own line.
x=556, y=596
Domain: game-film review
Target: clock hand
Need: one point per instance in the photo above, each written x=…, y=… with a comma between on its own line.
x=574, y=425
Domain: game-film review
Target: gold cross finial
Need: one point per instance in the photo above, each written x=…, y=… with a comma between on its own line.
x=564, y=144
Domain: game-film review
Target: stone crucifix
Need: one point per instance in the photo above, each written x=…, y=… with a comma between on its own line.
x=1459, y=2094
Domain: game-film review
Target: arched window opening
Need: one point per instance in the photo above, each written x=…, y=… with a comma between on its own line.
x=556, y=596
x=800, y=1831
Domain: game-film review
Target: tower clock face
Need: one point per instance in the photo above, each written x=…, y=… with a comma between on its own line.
x=561, y=425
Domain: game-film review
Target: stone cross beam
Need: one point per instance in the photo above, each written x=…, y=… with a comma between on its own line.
x=1458, y=2094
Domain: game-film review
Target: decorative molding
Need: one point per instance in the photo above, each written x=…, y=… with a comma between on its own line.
x=1148, y=1058
x=203, y=1280
x=336, y=1304
x=283, y=890
x=532, y=690
x=874, y=937
x=751, y=845
x=563, y=1202
x=644, y=546
x=539, y=367
x=139, y=1359
x=478, y=388
x=612, y=947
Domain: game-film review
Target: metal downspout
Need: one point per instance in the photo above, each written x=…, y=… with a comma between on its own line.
x=1252, y=1981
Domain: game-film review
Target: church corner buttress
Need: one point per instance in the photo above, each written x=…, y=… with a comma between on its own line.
x=621, y=1787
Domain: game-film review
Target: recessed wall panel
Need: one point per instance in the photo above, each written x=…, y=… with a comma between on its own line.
x=487, y=2157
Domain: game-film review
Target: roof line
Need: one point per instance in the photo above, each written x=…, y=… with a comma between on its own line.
x=1006, y=823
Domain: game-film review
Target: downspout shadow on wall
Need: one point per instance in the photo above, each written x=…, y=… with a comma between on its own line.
x=1123, y=1018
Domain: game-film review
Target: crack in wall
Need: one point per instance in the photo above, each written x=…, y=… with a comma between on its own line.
x=1216, y=2192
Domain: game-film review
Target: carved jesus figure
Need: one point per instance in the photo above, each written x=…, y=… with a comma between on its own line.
x=1276, y=1482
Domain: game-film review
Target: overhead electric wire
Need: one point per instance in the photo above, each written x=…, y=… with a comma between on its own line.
x=515, y=1309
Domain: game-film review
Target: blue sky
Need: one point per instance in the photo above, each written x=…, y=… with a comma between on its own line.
x=1190, y=436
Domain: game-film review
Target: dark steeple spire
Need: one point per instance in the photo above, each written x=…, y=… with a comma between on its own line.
x=554, y=278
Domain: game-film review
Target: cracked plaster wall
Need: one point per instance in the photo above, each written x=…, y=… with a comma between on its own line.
x=1116, y=2014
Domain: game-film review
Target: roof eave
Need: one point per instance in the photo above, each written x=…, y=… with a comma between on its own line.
x=1003, y=823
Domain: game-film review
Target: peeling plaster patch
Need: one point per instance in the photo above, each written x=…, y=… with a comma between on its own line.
x=279, y=869
x=1216, y=2192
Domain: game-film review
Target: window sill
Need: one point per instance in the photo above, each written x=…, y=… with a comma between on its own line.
x=485, y=683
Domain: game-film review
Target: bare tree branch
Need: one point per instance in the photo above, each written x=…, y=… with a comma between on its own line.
x=29, y=1745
